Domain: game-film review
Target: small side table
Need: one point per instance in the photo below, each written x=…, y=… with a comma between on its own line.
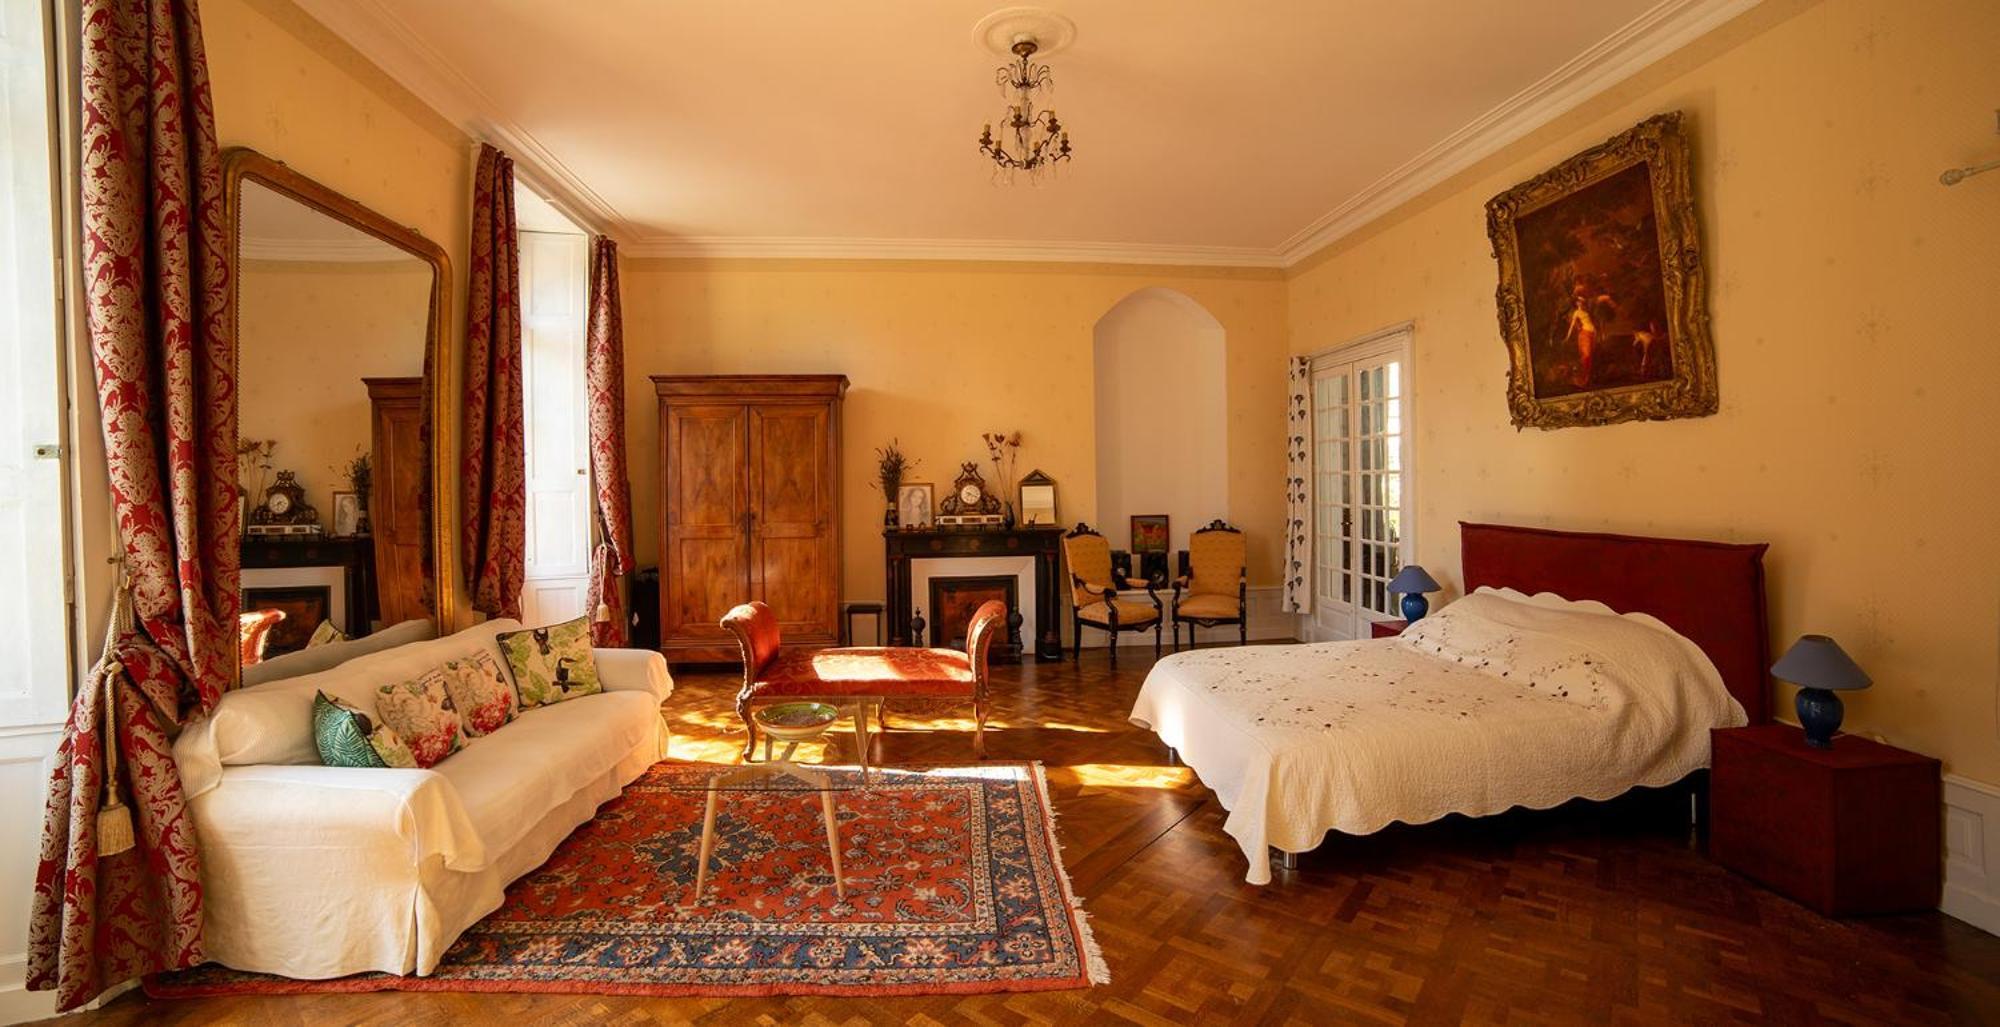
x=1850, y=830
x=865, y=608
x=1386, y=628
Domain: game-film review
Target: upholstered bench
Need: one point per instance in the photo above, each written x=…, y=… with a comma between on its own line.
x=861, y=676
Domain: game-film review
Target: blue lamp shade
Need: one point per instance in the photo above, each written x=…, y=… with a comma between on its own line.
x=1413, y=582
x=1819, y=667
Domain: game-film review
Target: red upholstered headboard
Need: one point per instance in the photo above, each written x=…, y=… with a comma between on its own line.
x=1711, y=592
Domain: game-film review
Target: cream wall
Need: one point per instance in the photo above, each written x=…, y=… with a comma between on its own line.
x=937, y=353
x=308, y=332
x=1855, y=304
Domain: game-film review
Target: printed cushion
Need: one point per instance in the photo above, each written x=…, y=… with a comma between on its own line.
x=551, y=664
x=325, y=634
x=480, y=690
x=421, y=712
x=347, y=737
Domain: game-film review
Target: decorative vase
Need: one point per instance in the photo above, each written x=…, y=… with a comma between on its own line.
x=889, y=516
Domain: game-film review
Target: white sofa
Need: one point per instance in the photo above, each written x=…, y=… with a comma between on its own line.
x=311, y=871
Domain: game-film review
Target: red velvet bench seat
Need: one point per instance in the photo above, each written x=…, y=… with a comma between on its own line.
x=860, y=676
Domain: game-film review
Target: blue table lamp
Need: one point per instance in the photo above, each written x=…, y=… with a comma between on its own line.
x=1819, y=667
x=1413, y=582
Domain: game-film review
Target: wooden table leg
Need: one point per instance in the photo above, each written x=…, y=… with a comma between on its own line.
x=707, y=844
x=833, y=844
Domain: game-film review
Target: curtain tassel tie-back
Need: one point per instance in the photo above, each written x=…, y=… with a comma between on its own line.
x=114, y=819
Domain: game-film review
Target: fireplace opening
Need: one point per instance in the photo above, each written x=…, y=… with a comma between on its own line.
x=955, y=598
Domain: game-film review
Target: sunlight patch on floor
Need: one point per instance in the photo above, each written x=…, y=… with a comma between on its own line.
x=1123, y=775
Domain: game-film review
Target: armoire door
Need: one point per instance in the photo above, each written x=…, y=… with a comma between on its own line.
x=705, y=552
x=793, y=556
x=395, y=504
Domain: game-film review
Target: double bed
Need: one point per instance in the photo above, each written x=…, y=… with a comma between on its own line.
x=1577, y=666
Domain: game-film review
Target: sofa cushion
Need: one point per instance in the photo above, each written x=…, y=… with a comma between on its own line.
x=480, y=690
x=867, y=670
x=348, y=737
x=534, y=764
x=329, y=655
x=421, y=711
x=551, y=664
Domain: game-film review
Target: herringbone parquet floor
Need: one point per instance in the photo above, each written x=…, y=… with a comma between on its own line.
x=1588, y=914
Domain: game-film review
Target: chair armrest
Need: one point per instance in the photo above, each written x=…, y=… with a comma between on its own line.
x=1137, y=583
x=634, y=670
x=1104, y=592
x=413, y=813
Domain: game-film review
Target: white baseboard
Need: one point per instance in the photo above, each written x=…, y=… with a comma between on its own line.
x=1972, y=852
x=17, y=1003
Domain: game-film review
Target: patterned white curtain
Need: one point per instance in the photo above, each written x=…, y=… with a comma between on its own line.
x=1298, y=488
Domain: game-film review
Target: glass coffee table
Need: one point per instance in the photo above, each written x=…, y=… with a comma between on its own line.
x=789, y=724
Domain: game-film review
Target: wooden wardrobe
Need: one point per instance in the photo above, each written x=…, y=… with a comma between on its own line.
x=749, y=507
x=395, y=503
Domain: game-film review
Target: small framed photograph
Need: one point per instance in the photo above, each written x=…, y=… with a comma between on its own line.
x=914, y=505
x=346, y=513
x=1149, y=533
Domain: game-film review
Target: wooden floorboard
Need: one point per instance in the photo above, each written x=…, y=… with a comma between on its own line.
x=1593, y=913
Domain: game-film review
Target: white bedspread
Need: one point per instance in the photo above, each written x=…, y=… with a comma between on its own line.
x=1498, y=700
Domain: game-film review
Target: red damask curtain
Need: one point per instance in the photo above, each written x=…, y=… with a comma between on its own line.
x=157, y=313
x=494, y=471
x=604, y=377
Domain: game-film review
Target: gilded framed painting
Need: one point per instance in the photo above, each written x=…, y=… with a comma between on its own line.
x=1601, y=297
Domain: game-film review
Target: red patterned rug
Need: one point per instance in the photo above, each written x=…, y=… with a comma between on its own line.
x=954, y=885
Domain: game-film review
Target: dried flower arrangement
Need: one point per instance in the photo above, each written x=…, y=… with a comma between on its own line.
x=890, y=467
x=1004, y=449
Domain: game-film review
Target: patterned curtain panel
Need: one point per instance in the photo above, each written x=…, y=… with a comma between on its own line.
x=493, y=475
x=118, y=891
x=604, y=378
x=1298, y=489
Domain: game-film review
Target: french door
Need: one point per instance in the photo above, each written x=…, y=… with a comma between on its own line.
x=1361, y=508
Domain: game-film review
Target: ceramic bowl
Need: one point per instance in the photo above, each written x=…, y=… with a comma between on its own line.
x=796, y=721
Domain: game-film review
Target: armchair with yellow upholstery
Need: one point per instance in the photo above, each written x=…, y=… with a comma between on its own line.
x=1213, y=574
x=1094, y=593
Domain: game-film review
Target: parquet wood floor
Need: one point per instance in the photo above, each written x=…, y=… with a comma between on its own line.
x=1586, y=914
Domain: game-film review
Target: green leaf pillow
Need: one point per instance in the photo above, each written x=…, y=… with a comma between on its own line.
x=348, y=737
x=551, y=664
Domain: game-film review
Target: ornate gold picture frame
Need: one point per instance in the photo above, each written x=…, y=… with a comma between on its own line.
x=1601, y=299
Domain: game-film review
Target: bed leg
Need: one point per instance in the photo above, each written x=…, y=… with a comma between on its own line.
x=1288, y=860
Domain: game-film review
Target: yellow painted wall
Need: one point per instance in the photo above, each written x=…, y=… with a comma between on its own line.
x=307, y=333
x=1856, y=304
x=937, y=353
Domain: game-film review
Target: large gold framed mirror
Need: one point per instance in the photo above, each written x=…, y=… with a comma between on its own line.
x=342, y=331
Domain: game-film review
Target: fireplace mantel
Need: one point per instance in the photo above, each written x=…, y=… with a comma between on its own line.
x=1041, y=542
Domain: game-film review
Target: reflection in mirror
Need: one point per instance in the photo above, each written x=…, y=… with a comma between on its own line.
x=332, y=328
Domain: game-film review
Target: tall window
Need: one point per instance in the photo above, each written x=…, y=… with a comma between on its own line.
x=34, y=676
x=555, y=268
x=1361, y=515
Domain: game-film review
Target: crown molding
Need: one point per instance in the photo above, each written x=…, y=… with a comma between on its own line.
x=373, y=29
x=818, y=248
x=331, y=251
x=1661, y=30
x=379, y=34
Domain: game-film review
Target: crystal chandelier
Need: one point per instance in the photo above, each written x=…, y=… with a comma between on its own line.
x=1038, y=140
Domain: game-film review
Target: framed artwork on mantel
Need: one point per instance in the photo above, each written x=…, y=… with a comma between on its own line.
x=1038, y=499
x=1601, y=299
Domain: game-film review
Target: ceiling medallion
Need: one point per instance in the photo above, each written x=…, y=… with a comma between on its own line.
x=1031, y=140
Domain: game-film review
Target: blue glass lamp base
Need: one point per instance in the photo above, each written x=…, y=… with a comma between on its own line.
x=1415, y=606
x=1820, y=714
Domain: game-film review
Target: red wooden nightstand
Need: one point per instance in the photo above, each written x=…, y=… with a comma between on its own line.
x=1386, y=628
x=1848, y=830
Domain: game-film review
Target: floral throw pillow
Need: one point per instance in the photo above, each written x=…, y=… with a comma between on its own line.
x=479, y=688
x=348, y=737
x=421, y=712
x=553, y=663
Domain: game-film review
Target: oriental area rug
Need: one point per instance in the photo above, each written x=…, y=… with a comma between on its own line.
x=954, y=885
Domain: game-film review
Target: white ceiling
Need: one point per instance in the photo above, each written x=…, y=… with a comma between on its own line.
x=1240, y=133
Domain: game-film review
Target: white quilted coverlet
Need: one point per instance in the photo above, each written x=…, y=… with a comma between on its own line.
x=1498, y=700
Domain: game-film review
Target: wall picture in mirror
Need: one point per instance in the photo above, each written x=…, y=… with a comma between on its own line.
x=332, y=302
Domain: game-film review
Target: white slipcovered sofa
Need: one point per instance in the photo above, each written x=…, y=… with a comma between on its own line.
x=311, y=871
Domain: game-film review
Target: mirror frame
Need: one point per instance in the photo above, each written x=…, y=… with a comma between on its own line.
x=241, y=162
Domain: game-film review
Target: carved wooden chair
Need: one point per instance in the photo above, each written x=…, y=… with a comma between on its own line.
x=862, y=676
x=1094, y=593
x=1213, y=572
